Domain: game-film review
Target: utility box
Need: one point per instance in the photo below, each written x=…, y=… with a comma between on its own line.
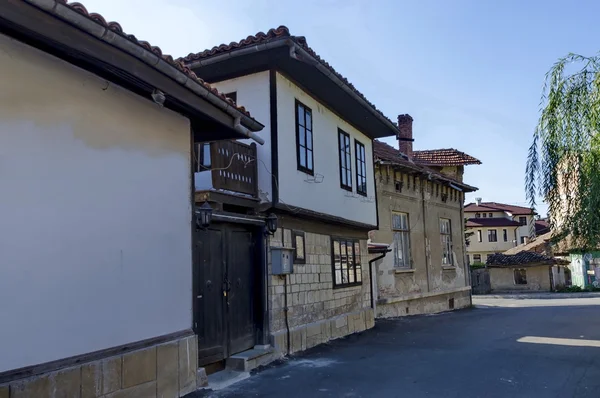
x=282, y=260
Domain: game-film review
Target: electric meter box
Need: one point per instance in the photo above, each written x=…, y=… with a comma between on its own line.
x=282, y=260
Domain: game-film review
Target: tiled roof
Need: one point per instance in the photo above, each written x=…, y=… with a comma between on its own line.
x=523, y=258
x=533, y=246
x=494, y=206
x=443, y=157
x=115, y=27
x=282, y=32
x=387, y=153
x=491, y=222
x=541, y=227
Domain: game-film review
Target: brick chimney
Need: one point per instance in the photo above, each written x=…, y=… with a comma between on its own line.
x=405, y=126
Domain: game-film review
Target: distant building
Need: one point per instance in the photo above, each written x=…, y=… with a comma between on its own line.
x=497, y=227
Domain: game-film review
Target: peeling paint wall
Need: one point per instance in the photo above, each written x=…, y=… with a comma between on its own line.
x=422, y=201
x=503, y=279
x=95, y=209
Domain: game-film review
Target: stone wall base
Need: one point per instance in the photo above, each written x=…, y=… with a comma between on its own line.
x=306, y=336
x=428, y=304
x=163, y=370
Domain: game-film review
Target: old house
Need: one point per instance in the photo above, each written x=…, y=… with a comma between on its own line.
x=315, y=175
x=420, y=217
x=95, y=146
x=523, y=271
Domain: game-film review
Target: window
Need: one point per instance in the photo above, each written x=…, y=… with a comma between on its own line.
x=523, y=220
x=347, y=270
x=477, y=215
x=492, y=235
x=491, y=215
x=298, y=244
x=477, y=258
x=484, y=215
x=232, y=95
x=520, y=276
x=446, y=237
x=345, y=160
x=401, y=240
x=202, y=156
x=505, y=235
x=522, y=239
x=479, y=239
x=304, y=138
x=361, y=168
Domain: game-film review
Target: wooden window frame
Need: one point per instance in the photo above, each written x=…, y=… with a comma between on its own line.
x=295, y=234
x=479, y=236
x=356, y=262
x=200, y=158
x=345, y=160
x=523, y=279
x=523, y=223
x=402, y=231
x=303, y=146
x=446, y=245
x=475, y=261
x=493, y=232
x=505, y=234
x=360, y=160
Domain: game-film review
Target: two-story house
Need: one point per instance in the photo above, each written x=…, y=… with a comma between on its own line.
x=420, y=218
x=314, y=173
x=497, y=227
x=96, y=133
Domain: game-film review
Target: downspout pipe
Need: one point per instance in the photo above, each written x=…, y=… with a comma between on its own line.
x=237, y=126
x=371, y=262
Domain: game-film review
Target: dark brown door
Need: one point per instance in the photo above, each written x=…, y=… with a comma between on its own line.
x=225, y=281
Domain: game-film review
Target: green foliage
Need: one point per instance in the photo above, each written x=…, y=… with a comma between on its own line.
x=477, y=265
x=563, y=165
x=577, y=289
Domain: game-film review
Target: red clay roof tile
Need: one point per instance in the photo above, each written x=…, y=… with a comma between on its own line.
x=387, y=153
x=494, y=206
x=444, y=157
x=116, y=28
x=492, y=222
x=274, y=34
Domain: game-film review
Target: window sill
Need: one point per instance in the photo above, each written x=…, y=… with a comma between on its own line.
x=355, y=284
x=449, y=267
x=404, y=270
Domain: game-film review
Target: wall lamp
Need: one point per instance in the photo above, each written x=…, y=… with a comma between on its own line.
x=271, y=224
x=204, y=216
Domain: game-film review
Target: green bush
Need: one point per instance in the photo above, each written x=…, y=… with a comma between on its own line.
x=477, y=265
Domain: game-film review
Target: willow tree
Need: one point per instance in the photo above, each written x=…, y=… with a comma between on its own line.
x=563, y=165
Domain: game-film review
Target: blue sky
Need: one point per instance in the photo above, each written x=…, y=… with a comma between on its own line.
x=470, y=72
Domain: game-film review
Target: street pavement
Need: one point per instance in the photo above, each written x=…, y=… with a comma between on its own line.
x=504, y=347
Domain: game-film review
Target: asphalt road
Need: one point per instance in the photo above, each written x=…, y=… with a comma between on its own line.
x=467, y=353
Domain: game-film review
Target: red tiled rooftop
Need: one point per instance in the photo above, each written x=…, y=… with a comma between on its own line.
x=280, y=33
x=494, y=206
x=116, y=28
x=492, y=222
x=443, y=157
x=390, y=154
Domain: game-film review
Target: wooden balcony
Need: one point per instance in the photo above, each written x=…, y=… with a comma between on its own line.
x=232, y=165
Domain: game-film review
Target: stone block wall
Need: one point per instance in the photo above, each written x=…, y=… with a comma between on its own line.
x=164, y=370
x=317, y=312
x=424, y=303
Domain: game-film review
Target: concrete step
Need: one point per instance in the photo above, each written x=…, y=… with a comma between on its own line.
x=223, y=379
x=252, y=359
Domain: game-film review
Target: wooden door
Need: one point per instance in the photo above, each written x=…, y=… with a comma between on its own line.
x=225, y=280
x=209, y=306
x=240, y=298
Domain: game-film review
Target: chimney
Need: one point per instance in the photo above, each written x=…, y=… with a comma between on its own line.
x=405, y=137
x=478, y=200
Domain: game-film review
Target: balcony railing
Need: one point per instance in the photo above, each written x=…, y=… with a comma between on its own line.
x=233, y=166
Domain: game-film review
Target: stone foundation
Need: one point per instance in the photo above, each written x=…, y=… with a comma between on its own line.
x=307, y=336
x=427, y=303
x=163, y=370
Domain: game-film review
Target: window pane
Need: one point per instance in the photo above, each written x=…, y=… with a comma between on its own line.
x=357, y=252
x=309, y=159
x=309, y=140
x=308, y=120
x=206, y=154
x=358, y=274
x=302, y=135
x=299, y=247
x=349, y=177
x=338, y=277
x=302, y=156
x=348, y=160
x=300, y=115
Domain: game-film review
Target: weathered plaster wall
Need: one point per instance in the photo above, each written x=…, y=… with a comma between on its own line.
x=422, y=200
x=503, y=279
x=95, y=209
x=317, y=312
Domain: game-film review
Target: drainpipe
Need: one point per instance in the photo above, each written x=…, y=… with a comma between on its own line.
x=371, y=262
x=237, y=126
